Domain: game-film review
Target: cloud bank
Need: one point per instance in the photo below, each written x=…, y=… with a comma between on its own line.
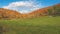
x=23, y=6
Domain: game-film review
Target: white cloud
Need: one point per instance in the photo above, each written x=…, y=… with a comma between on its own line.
x=16, y=4
x=23, y=6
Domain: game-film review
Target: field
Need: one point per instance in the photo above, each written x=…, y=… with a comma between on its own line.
x=41, y=25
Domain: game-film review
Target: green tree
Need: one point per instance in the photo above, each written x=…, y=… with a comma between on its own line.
x=56, y=10
x=50, y=12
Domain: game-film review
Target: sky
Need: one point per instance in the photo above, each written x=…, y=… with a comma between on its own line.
x=26, y=6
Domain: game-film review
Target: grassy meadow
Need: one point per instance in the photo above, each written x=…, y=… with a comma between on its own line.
x=41, y=25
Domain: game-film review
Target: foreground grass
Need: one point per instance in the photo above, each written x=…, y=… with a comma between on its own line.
x=41, y=25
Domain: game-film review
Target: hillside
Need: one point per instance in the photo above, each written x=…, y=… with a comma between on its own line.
x=44, y=11
x=51, y=10
x=5, y=13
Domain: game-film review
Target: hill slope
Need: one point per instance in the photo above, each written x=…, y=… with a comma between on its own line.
x=44, y=11
x=5, y=13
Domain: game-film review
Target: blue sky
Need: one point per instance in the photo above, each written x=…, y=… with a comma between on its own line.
x=25, y=6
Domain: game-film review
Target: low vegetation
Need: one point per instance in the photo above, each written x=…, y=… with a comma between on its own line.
x=41, y=25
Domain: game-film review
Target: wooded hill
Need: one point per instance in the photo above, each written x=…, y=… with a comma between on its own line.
x=48, y=11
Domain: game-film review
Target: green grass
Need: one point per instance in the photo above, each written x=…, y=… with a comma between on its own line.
x=41, y=25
